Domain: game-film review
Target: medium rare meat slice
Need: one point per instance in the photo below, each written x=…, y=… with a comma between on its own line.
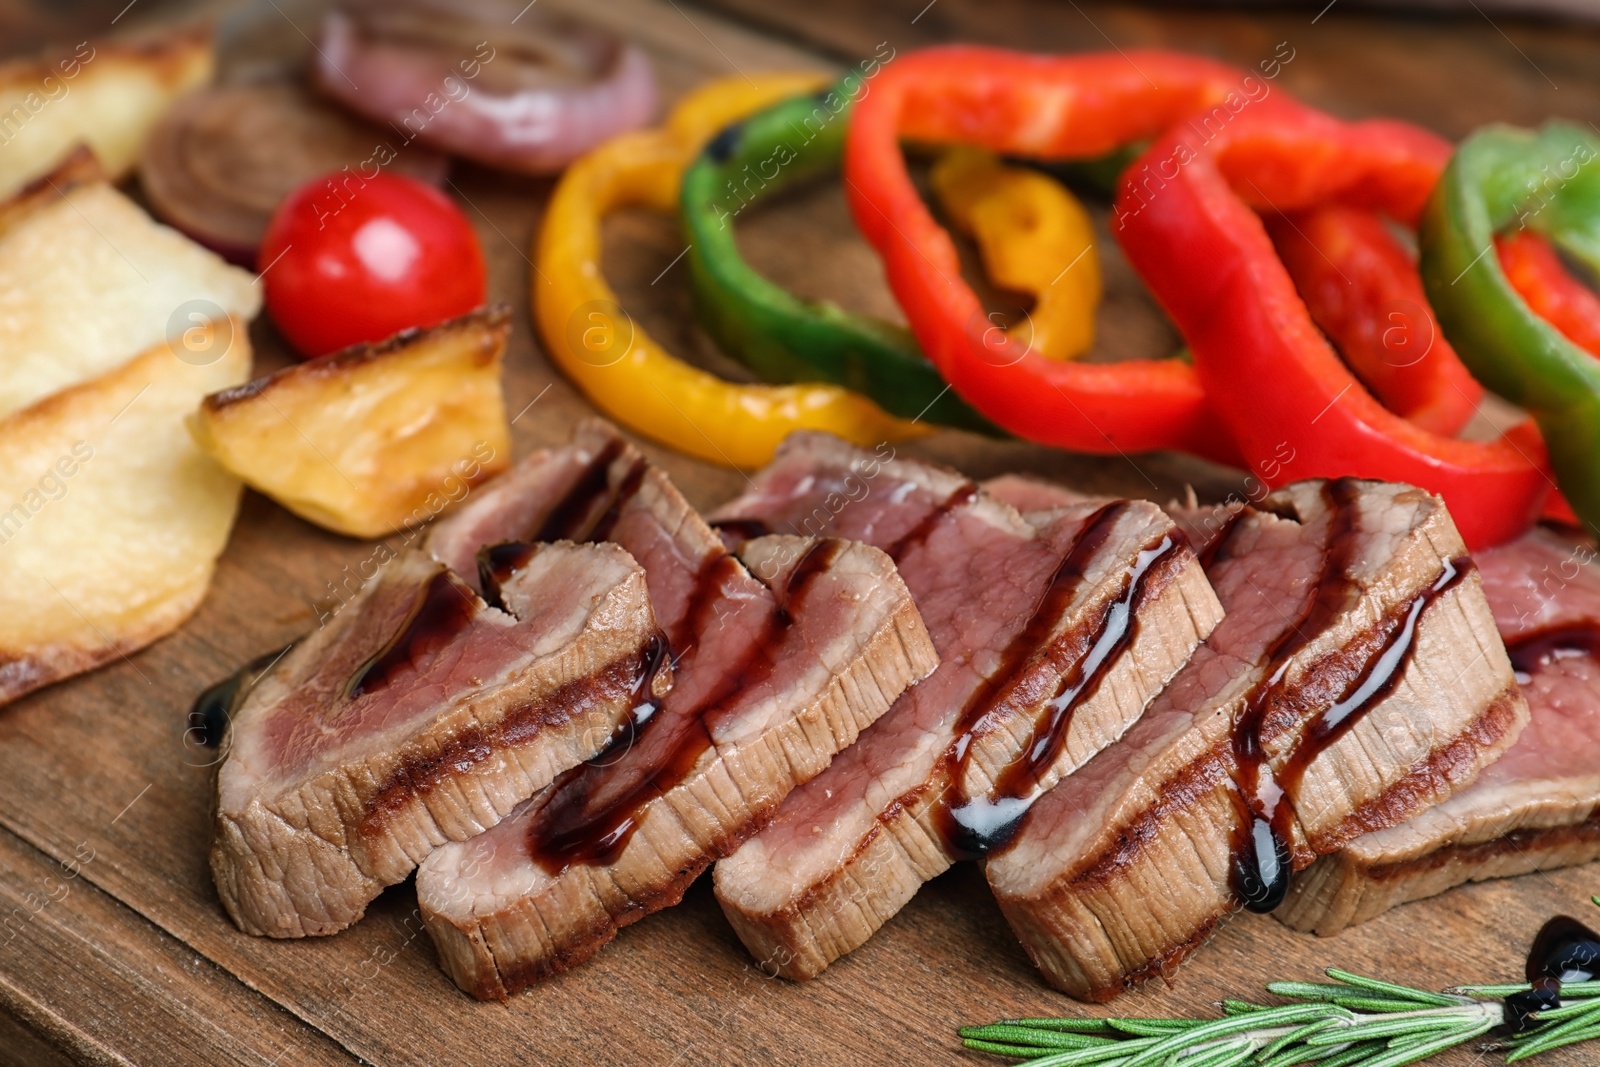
x=1052, y=636
x=785, y=652
x=422, y=714
x=1538, y=806
x=1356, y=680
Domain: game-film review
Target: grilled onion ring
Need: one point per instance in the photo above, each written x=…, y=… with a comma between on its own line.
x=221, y=159
x=526, y=92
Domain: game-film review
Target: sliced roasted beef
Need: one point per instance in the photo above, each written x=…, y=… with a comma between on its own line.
x=1052, y=635
x=1356, y=680
x=421, y=714
x=784, y=652
x=1538, y=806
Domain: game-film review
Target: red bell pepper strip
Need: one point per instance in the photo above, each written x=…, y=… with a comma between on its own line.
x=1540, y=278
x=1362, y=288
x=1270, y=374
x=1046, y=107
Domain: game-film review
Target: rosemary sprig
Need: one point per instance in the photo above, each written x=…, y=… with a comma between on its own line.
x=1350, y=1021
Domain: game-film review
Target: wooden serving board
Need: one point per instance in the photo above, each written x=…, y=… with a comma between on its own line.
x=113, y=948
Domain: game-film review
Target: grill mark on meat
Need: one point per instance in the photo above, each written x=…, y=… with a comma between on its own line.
x=565, y=516
x=415, y=775
x=1452, y=763
x=1523, y=842
x=443, y=608
x=569, y=829
x=1538, y=648
x=964, y=494
x=975, y=826
x=1262, y=856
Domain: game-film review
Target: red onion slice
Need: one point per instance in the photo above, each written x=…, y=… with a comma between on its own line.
x=221, y=159
x=528, y=95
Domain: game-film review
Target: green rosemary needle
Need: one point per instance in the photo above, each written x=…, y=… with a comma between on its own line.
x=1351, y=1021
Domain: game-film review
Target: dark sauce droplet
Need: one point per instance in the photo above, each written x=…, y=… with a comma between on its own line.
x=1565, y=950
x=1262, y=865
x=213, y=709
x=496, y=565
x=646, y=701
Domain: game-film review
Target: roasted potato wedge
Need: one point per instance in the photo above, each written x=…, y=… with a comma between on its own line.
x=111, y=519
x=375, y=438
x=88, y=280
x=105, y=94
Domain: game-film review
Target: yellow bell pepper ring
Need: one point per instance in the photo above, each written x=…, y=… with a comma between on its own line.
x=1034, y=237
x=616, y=364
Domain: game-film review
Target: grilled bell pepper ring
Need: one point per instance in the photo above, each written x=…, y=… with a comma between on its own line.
x=1362, y=288
x=615, y=363
x=1548, y=181
x=1049, y=108
x=1537, y=274
x=768, y=329
x=1184, y=217
x=1026, y=225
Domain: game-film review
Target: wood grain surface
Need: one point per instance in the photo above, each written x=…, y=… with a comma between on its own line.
x=113, y=948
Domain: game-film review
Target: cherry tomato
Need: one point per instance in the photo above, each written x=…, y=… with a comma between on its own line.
x=348, y=260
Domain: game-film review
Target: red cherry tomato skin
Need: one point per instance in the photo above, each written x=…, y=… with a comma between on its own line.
x=348, y=260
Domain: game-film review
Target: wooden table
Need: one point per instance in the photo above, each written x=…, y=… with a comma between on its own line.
x=114, y=948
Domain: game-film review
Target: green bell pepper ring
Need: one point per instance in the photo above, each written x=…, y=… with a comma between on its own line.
x=777, y=335
x=1549, y=181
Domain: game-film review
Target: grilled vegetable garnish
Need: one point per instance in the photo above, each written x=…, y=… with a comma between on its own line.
x=374, y=438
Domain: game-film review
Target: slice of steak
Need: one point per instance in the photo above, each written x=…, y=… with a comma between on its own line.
x=1052, y=636
x=421, y=714
x=785, y=652
x=1356, y=680
x=1538, y=806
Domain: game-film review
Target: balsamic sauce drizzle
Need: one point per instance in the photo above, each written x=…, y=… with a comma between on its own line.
x=442, y=609
x=566, y=515
x=1262, y=857
x=973, y=827
x=1532, y=651
x=213, y=709
x=1261, y=860
x=737, y=531
x=584, y=823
